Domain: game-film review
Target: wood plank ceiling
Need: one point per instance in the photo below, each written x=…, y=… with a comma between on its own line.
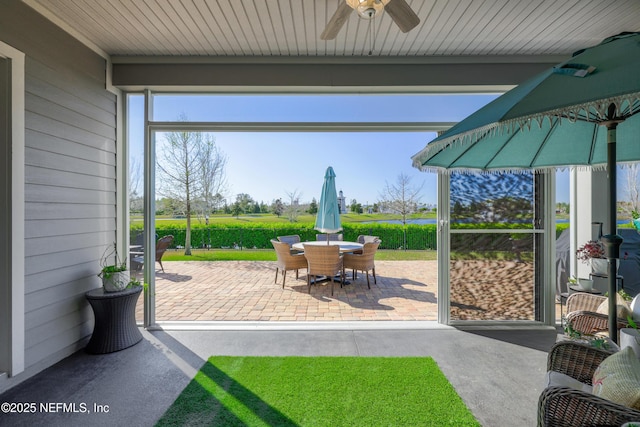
x=291, y=28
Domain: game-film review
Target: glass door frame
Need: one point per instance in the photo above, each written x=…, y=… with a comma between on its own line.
x=151, y=128
x=546, y=280
x=12, y=283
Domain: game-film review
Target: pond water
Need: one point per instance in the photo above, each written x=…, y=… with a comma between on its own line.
x=419, y=221
x=423, y=221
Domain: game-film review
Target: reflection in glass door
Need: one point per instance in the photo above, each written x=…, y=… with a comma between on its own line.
x=496, y=246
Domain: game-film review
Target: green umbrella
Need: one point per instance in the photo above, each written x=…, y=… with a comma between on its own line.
x=328, y=217
x=579, y=113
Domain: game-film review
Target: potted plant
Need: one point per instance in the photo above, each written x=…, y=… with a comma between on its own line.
x=115, y=275
x=592, y=253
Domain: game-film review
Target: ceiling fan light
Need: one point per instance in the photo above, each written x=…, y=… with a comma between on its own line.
x=367, y=9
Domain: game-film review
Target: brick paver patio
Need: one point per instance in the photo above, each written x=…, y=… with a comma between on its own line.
x=245, y=290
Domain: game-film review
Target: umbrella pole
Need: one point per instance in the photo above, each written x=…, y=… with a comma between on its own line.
x=612, y=241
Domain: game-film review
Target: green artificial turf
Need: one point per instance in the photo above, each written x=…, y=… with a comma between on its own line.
x=319, y=391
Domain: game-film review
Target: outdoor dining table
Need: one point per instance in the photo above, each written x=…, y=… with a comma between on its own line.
x=345, y=247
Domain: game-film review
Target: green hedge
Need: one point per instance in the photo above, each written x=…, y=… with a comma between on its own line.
x=258, y=235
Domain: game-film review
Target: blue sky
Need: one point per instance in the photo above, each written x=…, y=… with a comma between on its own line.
x=268, y=165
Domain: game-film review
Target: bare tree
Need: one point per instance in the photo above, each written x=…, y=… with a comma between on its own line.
x=135, y=179
x=213, y=182
x=218, y=201
x=632, y=184
x=135, y=176
x=179, y=171
x=191, y=172
x=401, y=198
x=294, y=209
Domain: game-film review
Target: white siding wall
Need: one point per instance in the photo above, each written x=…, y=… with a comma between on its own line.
x=70, y=176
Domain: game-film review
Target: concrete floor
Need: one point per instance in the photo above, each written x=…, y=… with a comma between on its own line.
x=499, y=373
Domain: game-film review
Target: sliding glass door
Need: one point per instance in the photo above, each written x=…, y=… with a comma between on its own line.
x=497, y=247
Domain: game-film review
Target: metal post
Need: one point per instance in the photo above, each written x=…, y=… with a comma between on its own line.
x=149, y=214
x=206, y=220
x=612, y=241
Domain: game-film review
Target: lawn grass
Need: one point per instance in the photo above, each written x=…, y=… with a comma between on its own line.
x=271, y=219
x=319, y=391
x=270, y=255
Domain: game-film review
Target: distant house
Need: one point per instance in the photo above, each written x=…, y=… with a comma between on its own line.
x=342, y=203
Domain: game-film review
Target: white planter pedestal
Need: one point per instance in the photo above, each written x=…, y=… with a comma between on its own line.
x=601, y=265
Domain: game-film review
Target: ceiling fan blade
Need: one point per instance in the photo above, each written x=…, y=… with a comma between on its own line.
x=337, y=21
x=402, y=14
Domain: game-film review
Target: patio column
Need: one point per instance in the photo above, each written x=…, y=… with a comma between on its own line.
x=588, y=205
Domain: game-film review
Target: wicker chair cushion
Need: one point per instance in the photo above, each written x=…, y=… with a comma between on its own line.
x=558, y=379
x=617, y=378
x=622, y=308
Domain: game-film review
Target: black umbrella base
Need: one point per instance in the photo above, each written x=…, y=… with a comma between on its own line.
x=321, y=279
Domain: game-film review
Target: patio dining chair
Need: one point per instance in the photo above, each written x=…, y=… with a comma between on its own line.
x=323, y=260
x=363, y=261
x=332, y=237
x=364, y=238
x=291, y=239
x=161, y=247
x=286, y=260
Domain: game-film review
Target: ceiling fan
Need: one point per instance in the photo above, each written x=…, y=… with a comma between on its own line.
x=398, y=10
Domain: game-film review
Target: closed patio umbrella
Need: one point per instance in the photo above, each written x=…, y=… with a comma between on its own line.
x=582, y=112
x=328, y=217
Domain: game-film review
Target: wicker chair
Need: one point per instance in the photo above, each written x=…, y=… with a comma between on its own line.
x=332, y=237
x=291, y=239
x=568, y=407
x=161, y=247
x=581, y=314
x=364, y=261
x=363, y=238
x=286, y=260
x=323, y=260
